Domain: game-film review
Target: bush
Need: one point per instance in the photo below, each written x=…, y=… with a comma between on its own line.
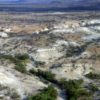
x=47, y=94
x=73, y=89
x=21, y=67
x=15, y=96
x=47, y=75
x=19, y=60
x=9, y=57
x=22, y=56
x=93, y=88
x=93, y=75
x=70, y=83
x=39, y=63
x=84, y=95
x=32, y=71
x=44, y=74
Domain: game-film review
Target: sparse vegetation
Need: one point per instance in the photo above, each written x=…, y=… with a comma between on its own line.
x=74, y=90
x=22, y=56
x=39, y=63
x=93, y=75
x=48, y=93
x=93, y=87
x=21, y=67
x=15, y=96
x=45, y=74
x=19, y=60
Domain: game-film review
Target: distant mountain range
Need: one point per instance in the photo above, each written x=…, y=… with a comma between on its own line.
x=63, y=3
x=66, y=4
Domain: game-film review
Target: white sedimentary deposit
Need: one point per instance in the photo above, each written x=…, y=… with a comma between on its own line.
x=94, y=21
x=3, y=34
x=72, y=71
x=47, y=54
x=55, y=52
x=91, y=37
x=87, y=27
x=7, y=30
x=22, y=84
x=7, y=79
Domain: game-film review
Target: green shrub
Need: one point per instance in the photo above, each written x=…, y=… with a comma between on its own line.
x=47, y=75
x=70, y=83
x=32, y=71
x=21, y=67
x=22, y=56
x=93, y=88
x=9, y=57
x=83, y=93
x=15, y=96
x=19, y=60
x=73, y=89
x=46, y=94
x=44, y=74
x=39, y=63
x=17, y=57
x=93, y=75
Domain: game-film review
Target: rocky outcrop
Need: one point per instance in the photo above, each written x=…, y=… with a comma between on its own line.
x=12, y=81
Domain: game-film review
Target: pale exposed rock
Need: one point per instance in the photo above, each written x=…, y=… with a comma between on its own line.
x=7, y=30
x=3, y=34
x=22, y=84
x=51, y=54
x=72, y=71
x=91, y=37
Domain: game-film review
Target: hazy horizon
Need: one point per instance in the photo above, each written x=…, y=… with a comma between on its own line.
x=49, y=5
